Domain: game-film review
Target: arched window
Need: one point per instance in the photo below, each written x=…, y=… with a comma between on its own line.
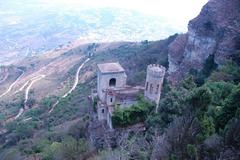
x=147, y=86
x=112, y=82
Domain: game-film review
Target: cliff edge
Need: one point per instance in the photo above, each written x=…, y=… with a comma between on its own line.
x=215, y=31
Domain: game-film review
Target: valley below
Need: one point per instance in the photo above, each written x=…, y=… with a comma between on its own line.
x=48, y=79
x=47, y=29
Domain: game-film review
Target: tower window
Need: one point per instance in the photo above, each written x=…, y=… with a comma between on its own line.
x=157, y=89
x=151, y=88
x=111, y=99
x=102, y=110
x=147, y=86
x=112, y=82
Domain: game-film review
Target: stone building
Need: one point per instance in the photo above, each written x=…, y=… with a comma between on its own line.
x=110, y=75
x=113, y=91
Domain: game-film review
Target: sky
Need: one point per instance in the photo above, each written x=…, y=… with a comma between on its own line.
x=178, y=12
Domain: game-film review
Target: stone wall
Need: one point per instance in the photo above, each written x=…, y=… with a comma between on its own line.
x=103, y=82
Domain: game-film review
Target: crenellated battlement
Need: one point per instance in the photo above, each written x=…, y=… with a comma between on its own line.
x=156, y=70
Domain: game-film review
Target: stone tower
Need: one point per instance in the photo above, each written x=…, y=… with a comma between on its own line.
x=154, y=81
x=110, y=75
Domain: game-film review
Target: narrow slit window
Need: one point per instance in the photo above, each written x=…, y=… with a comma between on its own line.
x=151, y=88
x=157, y=89
x=102, y=110
x=147, y=86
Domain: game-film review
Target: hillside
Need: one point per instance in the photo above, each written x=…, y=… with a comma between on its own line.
x=59, y=68
x=198, y=116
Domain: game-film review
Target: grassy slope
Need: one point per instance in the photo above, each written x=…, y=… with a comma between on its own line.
x=133, y=56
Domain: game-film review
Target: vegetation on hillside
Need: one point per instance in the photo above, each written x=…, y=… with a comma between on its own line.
x=198, y=119
x=37, y=135
x=194, y=120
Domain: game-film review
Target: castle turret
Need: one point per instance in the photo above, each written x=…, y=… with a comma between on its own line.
x=154, y=81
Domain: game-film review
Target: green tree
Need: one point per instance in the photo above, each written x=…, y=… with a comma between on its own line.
x=219, y=91
x=52, y=151
x=230, y=72
x=72, y=149
x=25, y=130
x=188, y=83
x=232, y=133
x=200, y=98
x=78, y=130
x=231, y=105
x=192, y=151
x=207, y=128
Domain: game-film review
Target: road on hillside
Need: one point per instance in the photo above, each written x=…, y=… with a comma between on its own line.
x=12, y=85
x=74, y=85
x=33, y=80
x=21, y=110
x=23, y=86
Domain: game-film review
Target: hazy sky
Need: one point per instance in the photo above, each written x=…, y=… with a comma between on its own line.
x=178, y=12
x=170, y=8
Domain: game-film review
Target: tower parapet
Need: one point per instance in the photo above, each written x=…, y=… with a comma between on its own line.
x=156, y=70
x=154, y=81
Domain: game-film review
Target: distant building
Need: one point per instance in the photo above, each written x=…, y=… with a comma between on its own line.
x=113, y=91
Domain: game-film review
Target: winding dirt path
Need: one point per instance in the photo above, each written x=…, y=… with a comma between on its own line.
x=74, y=85
x=21, y=110
x=33, y=80
x=76, y=78
x=23, y=86
x=12, y=85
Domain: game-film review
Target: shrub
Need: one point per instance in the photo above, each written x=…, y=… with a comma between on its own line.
x=231, y=105
x=131, y=115
x=78, y=130
x=11, y=154
x=232, y=133
x=40, y=145
x=230, y=72
x=200, y=98
x=208, y=128
x=192, y=150
x=72, y=149
x=219, y=91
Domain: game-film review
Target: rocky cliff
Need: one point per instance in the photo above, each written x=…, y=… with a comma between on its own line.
x=216, y=30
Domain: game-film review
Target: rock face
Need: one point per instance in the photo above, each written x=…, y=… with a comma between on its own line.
x=215, y=31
